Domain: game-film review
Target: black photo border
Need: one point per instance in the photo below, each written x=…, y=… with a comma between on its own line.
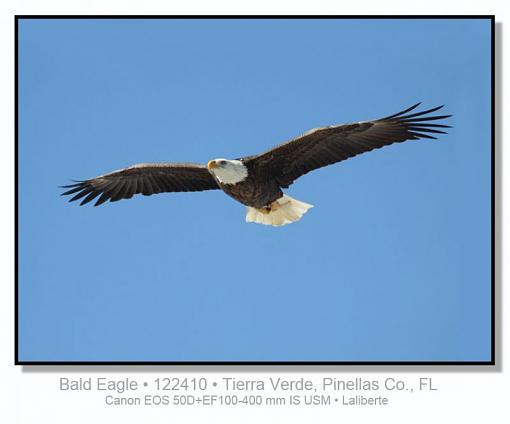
x=491, y=18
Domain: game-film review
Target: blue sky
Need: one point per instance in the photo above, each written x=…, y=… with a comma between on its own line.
x=392, y=263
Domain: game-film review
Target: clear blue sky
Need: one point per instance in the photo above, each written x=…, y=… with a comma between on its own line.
x=393, y=263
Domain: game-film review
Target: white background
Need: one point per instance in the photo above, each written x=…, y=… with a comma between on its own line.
x=479, y=394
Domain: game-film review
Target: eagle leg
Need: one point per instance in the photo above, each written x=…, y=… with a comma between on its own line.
x=272, y=207
x=266, y=210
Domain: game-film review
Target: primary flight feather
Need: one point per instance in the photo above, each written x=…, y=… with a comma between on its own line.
x=257, y=181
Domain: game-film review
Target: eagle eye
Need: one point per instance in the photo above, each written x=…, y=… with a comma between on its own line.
x=223, y=162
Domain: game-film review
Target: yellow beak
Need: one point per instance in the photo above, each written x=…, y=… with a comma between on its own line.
x=212, y=164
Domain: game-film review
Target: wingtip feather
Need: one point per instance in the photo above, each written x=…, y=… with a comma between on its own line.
x=409, y=109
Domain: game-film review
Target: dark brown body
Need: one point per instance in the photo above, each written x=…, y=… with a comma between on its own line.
x=259, y=190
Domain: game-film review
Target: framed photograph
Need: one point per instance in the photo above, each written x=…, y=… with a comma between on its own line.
x=269, y=190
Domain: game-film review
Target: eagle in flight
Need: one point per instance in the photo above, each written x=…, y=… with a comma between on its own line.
x=257, y=181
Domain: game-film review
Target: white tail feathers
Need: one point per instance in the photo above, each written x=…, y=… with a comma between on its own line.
x=283, y=211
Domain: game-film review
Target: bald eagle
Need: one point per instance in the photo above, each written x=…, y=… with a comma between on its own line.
x=257, y=181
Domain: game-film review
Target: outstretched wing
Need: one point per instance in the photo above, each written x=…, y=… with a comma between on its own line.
x=144, y=178
x=324, y=146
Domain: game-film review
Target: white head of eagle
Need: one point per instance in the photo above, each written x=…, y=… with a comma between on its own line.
x=258, y=181
x=228, y=171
